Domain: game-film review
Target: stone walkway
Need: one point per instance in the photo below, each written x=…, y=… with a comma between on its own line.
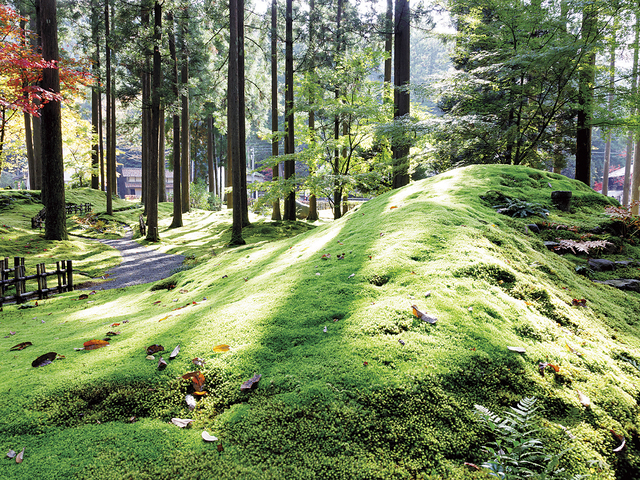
x=139, y=265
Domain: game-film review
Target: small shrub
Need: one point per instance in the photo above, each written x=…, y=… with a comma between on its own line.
x=519, y=208
x=624, y=214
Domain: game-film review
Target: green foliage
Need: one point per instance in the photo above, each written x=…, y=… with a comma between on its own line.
x=629, y=220
x=199, y=195
x=515, y=207
x=518, y=451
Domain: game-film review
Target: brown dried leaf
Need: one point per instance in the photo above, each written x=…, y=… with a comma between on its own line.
x=221, y=348
x=20, y=456
x=45, y=359
x=154, y=349
x=20, y=346
x=93, y=344
x=251, y=383
x=423, y=316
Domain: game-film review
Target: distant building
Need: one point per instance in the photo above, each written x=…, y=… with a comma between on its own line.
x=130, y=183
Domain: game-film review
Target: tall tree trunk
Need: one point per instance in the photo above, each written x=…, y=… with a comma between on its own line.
x=114, y=179
x=401, y=67
x=100, y=140
x=216, y=189
x=275, y=141
x=152, y=197
x=34, y=24
x=28, y=137
x=52, y=161
x=146, y=106
x=95, y=152
x=109, y=186
x=186, y=149
x=177, y=188
x=634, y=109
x=242, y=107
x=162, y=179
x=95, y=92
x=210, y=155
x=233, y=123
x=337, y=188
x=388, y=44
x=289, y=145
x=313, y=204
x=586, y=79
x=607, y=146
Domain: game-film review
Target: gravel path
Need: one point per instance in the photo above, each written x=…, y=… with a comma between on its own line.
x=139, y=264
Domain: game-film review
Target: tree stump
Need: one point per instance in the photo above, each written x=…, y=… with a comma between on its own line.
x=561, y=199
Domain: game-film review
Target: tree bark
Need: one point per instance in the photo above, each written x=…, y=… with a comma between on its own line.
x=152, y=197
x=28, y=137
x=233, y=123
x=241, y=109
x=109, y=186
x=186, y=150
x=289, y=144
x=52, y=161
x=34, y=24
x=313, y=205
x=607, y=146
x=177, y=195
x=388, y=45
x=275, y=141
x=162, y=179
x=633, y=110
x=586, y=79
x=210, y=155
x=401, y=67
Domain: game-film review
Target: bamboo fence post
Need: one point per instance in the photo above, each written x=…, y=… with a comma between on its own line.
x=59, y=274
x=69, y=276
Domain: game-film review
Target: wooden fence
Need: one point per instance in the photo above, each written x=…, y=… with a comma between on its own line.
x=39, y=220
x=16, y=278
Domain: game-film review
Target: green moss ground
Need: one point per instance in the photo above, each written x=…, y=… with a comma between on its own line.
x=351, y=402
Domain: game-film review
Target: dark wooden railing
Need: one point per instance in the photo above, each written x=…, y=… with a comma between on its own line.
x=39, y=220
x=16, y=278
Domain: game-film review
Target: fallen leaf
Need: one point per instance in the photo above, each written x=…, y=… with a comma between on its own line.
x=517, y=349
x=423, y=316
x=93, y=344
x=112, y=334
x=352, y=275
x=220, y=448
x=184, y=290
x=154, y=349
x=391, y=208
x=45, y=359
x=472, y=465
x=181, y=422
x=620, y=438
x=20, y=456
x=208, y=438
x=157, y=302
x=543, y=365
x=326, y=256
x=84, y=296
x=162, y=364
x=164, y=318
x=221, y=348
x=584, y=400
x=11, y=454
x=20, y=346
x=115, y=325
x=572, y=350
x=579, y=303
x=251, y=383
x=401, y=342
x=191, y=401
x=198, y=381
x=175, y=353
x=150, y=357
x=324, y=329
x=198, y=361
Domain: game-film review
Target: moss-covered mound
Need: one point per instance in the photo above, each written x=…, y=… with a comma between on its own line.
x=353, y=385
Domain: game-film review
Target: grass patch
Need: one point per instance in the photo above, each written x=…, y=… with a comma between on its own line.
x=340, y=395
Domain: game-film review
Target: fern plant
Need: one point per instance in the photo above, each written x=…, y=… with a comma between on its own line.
x=520, y=208
x=517, y=452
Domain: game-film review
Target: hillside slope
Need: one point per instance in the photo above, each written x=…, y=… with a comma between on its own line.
x=353, y=384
